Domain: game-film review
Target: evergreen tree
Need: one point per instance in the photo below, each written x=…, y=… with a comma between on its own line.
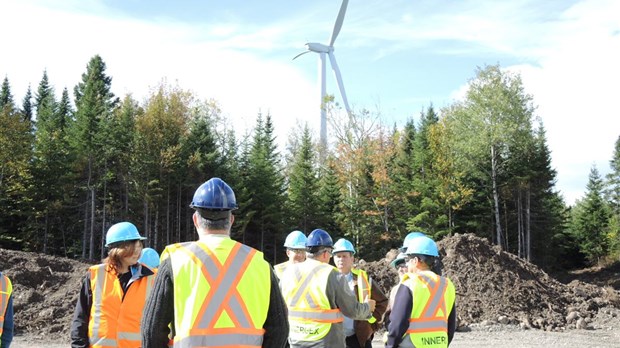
x=94, y=102
x=590, y=220
x=303, y=201
x=6, y=98
x=265, y=183
x=613, y=180
x=27, y=111
x=330, y=199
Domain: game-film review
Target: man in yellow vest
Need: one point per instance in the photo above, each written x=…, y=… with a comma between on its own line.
x=359, y=333
x=318, y=298
x=424, y=313
x=214, y=292
x=295, y=244
x=6, y=311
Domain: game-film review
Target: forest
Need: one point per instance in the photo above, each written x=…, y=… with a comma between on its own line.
x=74, y=164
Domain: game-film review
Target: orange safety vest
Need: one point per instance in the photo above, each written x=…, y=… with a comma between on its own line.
x=221, y=294
x=6, y=288
x=114, y=318
x=433, y=299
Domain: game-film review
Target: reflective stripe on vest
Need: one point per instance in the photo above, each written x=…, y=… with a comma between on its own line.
x=280, y=268
x=115, y=318
x=309, y=311
x=6, y=289
x=198, y=322
x=364, y=288
x=428, y=325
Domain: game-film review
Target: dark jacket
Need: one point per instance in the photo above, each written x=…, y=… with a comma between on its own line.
x=363, y=329
x=401, y=312
x=81, y=315
x=159, y=312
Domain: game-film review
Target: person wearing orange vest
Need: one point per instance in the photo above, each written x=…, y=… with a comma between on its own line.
x=6, y=311
x=359, y=333
x=424, y=312
x=295, y=244
x=214, y=292
x=110, y=303
x=318, y=297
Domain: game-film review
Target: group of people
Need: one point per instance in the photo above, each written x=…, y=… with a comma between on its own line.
x=217, y=292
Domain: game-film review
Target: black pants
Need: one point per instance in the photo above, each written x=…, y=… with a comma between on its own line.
x=352, y=342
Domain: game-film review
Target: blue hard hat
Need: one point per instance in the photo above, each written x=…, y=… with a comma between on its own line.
x=408, y=238
x=295, y=240
x=400, y=258
x=319, y=237
x=215, y=194
x=122, y=231
x=343, y=245
x=422, y=246
x=149, y=257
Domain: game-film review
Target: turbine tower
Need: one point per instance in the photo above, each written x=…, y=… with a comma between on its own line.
x=328, y=50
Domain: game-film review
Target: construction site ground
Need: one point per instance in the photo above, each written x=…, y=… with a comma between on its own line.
x=502, y=300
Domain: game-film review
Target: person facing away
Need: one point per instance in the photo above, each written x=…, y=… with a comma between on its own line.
x=318, y=296
x=110, y=302
x=6, y=311
x=424, y=312
x=359, y=333
x=214, y=292
x=295, y=244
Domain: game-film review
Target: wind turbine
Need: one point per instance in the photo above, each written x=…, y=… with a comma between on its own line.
x=328, y=50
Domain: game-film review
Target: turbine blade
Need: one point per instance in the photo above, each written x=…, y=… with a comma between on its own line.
x=301, y=54
x=339, y=20
x=332, y=59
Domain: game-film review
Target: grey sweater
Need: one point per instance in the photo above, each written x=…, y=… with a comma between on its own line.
x=340, y=296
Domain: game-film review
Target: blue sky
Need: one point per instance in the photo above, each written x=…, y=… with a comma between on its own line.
x=395, y=57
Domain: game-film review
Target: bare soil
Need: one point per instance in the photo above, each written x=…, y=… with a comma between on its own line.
x=501, y=299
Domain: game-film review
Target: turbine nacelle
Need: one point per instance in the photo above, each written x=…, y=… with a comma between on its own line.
x=319, y=47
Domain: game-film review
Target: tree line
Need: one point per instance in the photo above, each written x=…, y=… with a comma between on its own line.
x=70, y=167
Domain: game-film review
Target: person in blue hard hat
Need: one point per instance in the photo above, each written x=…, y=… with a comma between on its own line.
x=318, y=297
x=214, y=292
x=437, y=266
x=109, y=307
x=295, y=244
x=424, y=312
x=6, y=311
x=150, y=257
x=359, y=333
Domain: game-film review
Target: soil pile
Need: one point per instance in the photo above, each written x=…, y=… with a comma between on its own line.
x=45, y=289
x=495, y=286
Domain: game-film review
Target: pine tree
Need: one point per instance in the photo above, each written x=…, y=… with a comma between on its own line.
x=590, y=220
x=6, y=98
x=303, y=201
x=94, y=103
x=265, y=185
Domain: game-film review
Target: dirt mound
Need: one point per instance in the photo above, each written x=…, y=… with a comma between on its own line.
x=45, y=289
x=495, y=286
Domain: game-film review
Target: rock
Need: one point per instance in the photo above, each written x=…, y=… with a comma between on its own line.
x=572, y=316
x=581, y=324
x=504, y=320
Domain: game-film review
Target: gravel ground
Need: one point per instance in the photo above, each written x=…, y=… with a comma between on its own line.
x=493, y=336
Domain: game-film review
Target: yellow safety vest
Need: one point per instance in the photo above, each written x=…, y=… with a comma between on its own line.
x=280, y=268
x=433, y=299
x=310, y=315
x=6, y=289
x=364, y=287
x=115, y=317
x=221, y=294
